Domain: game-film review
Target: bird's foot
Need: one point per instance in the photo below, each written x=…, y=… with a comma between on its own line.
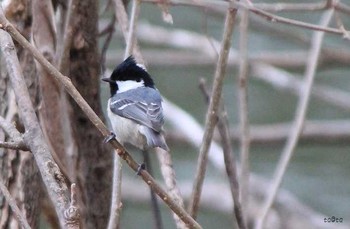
x=109, y=138
x=141, y=167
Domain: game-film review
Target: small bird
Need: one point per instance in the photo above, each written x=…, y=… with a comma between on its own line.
x=135, y=107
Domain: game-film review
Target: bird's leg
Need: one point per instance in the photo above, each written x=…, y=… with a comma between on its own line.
x=109, y=138
x=141, y=167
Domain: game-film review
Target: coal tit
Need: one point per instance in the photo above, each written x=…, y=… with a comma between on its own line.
x=135, y=107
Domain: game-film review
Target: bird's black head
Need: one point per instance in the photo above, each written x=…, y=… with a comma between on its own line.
x=128, y=70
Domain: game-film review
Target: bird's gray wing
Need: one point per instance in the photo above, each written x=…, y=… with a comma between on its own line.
x=148, y=114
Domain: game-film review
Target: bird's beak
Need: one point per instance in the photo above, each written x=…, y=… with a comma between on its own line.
x=108, y=80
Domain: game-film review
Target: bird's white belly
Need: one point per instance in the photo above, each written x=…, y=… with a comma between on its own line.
x=126, y=131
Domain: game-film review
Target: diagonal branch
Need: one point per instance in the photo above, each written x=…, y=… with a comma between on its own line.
x=21, y=218
x=116, y=204
x=298, y=122
x=212, y=111
x=130, y=41
x=243, y=111
x=67, y=84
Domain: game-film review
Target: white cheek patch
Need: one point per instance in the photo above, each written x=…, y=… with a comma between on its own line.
x=128, y=85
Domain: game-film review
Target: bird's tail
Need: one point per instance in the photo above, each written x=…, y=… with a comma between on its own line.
x=155, y=139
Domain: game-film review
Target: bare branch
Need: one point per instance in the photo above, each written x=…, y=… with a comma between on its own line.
x=299, y=120
x=109, y=31
x=135, y=11
x=14, y=145
x=123, y=21
x=212, y=111
x=116, y=204
x=166, y=168
x=243, y=111
x=63, y=48
x=67, y=84
x=21, y=218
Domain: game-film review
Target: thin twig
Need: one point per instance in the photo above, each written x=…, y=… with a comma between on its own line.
x=67, y=39
x=243, y=111
x=21, y=218
x=212, y=111
x=230, y=162
x=123, y=22
x=166, y=168
x=135, y=11
x=158, y=224
x=67, y=84
x=116, y=205
x=109, y=31
x=298, y=122
x=14, y=145
x=288, y=21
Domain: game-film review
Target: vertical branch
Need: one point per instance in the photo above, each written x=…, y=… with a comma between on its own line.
x=166, y=168
x=116, y=204
x=65, y=42
x=211, y=116
x=299, y=119
x=243, y=112
x=123, y=22
x=44, y=39
x=135, y=11
x=21, y=218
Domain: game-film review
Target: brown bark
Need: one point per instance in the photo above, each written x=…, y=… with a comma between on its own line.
x=17, y=168
x=94, y=159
